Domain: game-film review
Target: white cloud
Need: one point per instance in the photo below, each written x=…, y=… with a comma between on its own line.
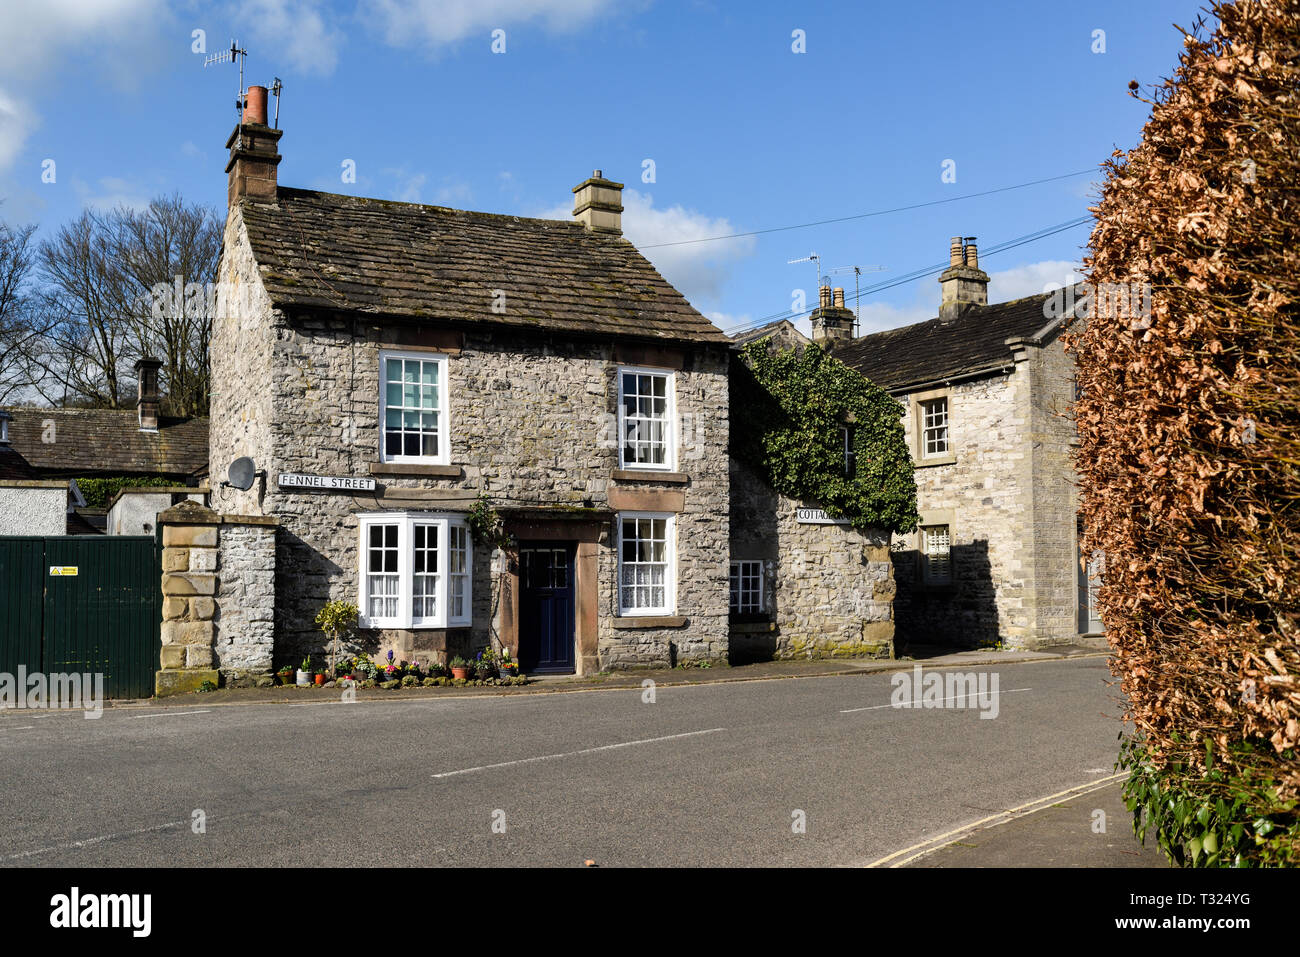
x=698, y=270
x=113, y=192
x=38, y=37
x=296, y=30
x=16, y=121
x=440, y=23
x=1032, y=279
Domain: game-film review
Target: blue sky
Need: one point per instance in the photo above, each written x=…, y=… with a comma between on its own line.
x=744, y=133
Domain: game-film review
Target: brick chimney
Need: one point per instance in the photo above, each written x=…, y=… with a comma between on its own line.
x=598, y=204
x=253, y=156
x=832, y=321
x=146, y=372
x=963, y=284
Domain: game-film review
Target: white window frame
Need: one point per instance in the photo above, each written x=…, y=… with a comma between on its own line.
x=670, y=571
x=929, y=575
x=444, y=412
x=737, y=578
x=922, y=428
x=670, y=419
x=406, y=522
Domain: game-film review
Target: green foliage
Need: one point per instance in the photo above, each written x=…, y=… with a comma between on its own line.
x=485, y=525
x=100, y=491
x=788, y=410
x=207, y=685
x=1228, y=815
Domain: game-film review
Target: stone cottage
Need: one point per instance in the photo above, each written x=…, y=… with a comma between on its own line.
x=397, y=373
x=987, y=391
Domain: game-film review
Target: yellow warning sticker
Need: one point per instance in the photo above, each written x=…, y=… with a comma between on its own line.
x=61, y=570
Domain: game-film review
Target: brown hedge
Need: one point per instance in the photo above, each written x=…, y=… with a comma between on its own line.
x=1189, y=455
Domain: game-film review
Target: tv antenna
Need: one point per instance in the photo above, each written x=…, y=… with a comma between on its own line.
x=810, y=258
x=276, y=87
x=857, y=284
x=235, y=55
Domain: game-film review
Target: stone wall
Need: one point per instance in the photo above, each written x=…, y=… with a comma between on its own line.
x=829, y=588
x=1007, y=495
x=244, y=624
x=531, y=424
x=189, y=587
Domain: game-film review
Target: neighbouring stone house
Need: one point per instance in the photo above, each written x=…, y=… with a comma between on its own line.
x=389, y=368
x=987, y=391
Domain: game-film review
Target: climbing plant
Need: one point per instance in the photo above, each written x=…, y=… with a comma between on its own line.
x=789, y=411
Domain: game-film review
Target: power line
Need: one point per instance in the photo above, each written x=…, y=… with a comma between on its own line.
x=917, y=274
x=878, y=212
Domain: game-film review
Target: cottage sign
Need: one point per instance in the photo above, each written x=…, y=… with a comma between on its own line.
x=817, y=516
x=326, y=483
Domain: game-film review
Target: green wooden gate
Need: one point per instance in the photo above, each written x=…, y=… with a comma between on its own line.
x=82, y=603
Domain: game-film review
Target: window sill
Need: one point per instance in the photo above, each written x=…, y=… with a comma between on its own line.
x=651, y=475
x=368, y=626
x=935, y=460
x=413, y=468
x=764, y=627
x=649, y=621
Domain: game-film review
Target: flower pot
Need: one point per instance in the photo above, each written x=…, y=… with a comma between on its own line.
x=304, y=678
x=460, y=674
x=286, y=677
x=320, y=680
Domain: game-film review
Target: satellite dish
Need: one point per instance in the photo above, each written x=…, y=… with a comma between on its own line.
x=240, y=474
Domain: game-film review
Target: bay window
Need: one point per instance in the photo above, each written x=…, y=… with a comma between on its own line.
x=415, y=570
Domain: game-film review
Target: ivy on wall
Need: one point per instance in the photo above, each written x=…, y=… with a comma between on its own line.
x=788, y=411
x=99, y=491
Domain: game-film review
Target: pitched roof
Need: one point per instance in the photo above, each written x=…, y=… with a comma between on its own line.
x=328, y=251
x=782, y=331
x=937, y=349
x=108, y=442
x=14, y=466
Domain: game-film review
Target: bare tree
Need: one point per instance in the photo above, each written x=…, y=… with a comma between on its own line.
x=87, y=299
x=21, y=319
x=124, y=284
x=168, y=253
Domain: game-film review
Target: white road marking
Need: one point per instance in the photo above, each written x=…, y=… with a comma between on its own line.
x=90, y=841
x=908, y=707
x=21, y=727
x=166, y=714
x=569, y=754
x=935, y=843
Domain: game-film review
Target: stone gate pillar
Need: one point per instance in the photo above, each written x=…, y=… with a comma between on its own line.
x=190, y=539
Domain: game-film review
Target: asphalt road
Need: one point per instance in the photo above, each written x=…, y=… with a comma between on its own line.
x=705, y=775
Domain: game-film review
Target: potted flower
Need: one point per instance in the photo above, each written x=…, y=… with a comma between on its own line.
x=507, y=665
x=460, y=668
x=319, y=677
x=304, y=672
x=286, y=675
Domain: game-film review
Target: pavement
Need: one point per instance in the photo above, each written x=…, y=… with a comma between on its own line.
x=783, y=767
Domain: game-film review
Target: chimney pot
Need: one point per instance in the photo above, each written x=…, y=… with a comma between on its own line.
x=963, y=284
x=838, y=295
x=255, y=106
x=598, y=204
x=148, y=403
x=824, y=296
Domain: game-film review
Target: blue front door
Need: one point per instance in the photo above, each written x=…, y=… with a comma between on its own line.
x=546, y=607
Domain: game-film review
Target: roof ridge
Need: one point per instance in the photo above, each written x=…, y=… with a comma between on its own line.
x=425, y=206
